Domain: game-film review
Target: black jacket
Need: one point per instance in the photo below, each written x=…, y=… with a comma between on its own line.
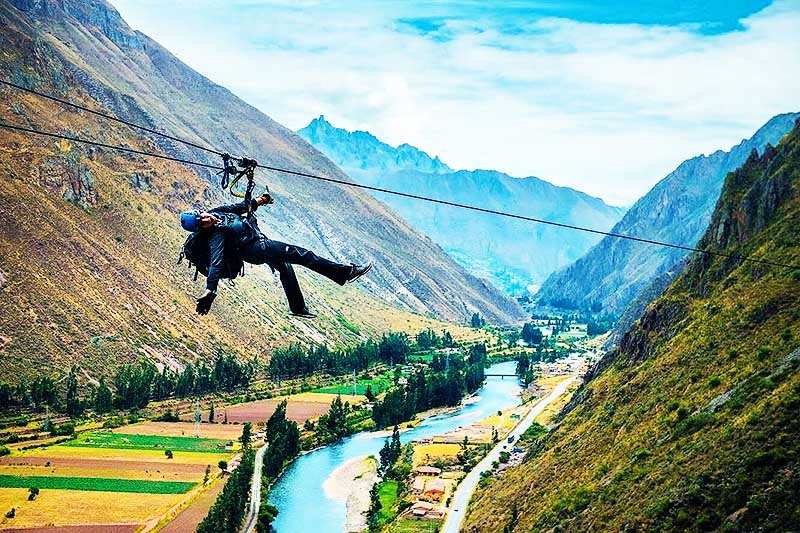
x=229, y=236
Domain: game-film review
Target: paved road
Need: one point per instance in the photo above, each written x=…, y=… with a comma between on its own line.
x=464, y=491
x=255, y=492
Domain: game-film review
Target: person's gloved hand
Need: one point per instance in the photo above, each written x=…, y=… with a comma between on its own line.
x=205, y=301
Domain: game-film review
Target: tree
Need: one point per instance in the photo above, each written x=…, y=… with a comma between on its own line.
x=374, y=508
x=103, y=398
x=12, y=513
x=33, y=492
x=369, y=394
x=225, y=418
x=266, y=515
x=211, y=415
x=223, y=465
x=168, y=453
x=477, y=321
x=73, y=402
x=207, y=474
x=247, y=432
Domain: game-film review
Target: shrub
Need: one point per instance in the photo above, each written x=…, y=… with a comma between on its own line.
x=4, y=451
x=691, y=424
x=504, y=457
x=33, y=492
x=168, y=453
x=12, y=513
x=763, y=352
x=713, y=382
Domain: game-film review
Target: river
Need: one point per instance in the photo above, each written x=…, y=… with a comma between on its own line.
x=298, y=494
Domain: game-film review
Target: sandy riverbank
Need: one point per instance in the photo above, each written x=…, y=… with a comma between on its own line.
x=351, y=483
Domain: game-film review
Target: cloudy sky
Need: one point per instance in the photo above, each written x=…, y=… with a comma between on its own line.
x=606, y=97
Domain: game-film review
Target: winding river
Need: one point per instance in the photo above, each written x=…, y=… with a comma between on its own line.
x=303, y=506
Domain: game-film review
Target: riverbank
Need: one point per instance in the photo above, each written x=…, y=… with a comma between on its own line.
x=351, y=483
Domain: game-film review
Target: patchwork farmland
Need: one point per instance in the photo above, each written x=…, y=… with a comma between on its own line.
x=114, y=480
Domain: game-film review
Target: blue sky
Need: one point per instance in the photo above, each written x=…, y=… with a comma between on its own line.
x=605, y=96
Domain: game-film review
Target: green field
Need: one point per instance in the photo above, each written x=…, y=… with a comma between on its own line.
x=378, y=385
x=106, y=439
x=387, y=494
x=96, y=484
x=406, y=525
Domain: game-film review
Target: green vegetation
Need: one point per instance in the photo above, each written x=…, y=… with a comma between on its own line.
x=387, y=494
x=228, y=510
x=107, y=439
x=284, y=442
x=444, y=384
x=96, y=484
x=691, y=425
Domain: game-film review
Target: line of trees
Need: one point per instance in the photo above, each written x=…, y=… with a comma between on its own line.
x=283, y=438
x=228, y=510
x=38, y=393
x=136, y=385
x=426, y=390
x=297, y=361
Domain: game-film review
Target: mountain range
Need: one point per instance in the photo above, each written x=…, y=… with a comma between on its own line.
x=514, y=255
x=677, y=210
x=89, y=236
x=691, y=424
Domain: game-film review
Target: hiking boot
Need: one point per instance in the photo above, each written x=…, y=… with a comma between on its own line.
x=305, y=313
x=358, y=271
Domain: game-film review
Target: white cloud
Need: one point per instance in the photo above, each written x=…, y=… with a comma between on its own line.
x=605, y=108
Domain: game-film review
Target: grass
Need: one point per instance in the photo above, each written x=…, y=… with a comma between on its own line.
x=378, y=386
x=408, y=525
x=387, y=494
x=73, y=507
x=96, y=484
x=148, y=442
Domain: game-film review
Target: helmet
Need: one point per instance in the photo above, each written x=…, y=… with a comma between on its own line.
x=190, y=220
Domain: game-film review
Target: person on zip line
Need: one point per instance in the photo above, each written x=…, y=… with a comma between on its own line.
x=227, y=236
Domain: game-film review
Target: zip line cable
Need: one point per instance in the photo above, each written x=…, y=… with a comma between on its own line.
x=109, y=117
x=385, y=191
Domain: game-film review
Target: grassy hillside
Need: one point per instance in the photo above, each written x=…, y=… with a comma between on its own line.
x=692, y=424
x=89, y=237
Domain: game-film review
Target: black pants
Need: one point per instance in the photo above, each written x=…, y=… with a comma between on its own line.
x=282, y=256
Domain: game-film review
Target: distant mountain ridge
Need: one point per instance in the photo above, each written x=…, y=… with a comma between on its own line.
x=514, y=255
x=676, y=210
x=363, y=151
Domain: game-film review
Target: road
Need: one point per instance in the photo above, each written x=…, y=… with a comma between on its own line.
x=458, y=506
x=255, y=492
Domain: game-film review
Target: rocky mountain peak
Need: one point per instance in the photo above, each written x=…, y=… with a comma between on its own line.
x=97, y=13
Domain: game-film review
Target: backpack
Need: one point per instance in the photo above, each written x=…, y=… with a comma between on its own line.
x=196, y=250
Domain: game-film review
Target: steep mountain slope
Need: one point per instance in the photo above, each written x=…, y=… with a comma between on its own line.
x=677, y=210
x=692, y=424
x=512, y=254
x=88, y=236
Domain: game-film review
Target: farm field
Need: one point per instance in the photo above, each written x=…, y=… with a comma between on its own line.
x=226, y=432
x=300, y=407
x=189, y=518
x=107, y=439
x=427, y=453
x=95, y=484
x=66, y=507
x=118, y=454
x=151, y=472
x=112, y=481
x=377, y=385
